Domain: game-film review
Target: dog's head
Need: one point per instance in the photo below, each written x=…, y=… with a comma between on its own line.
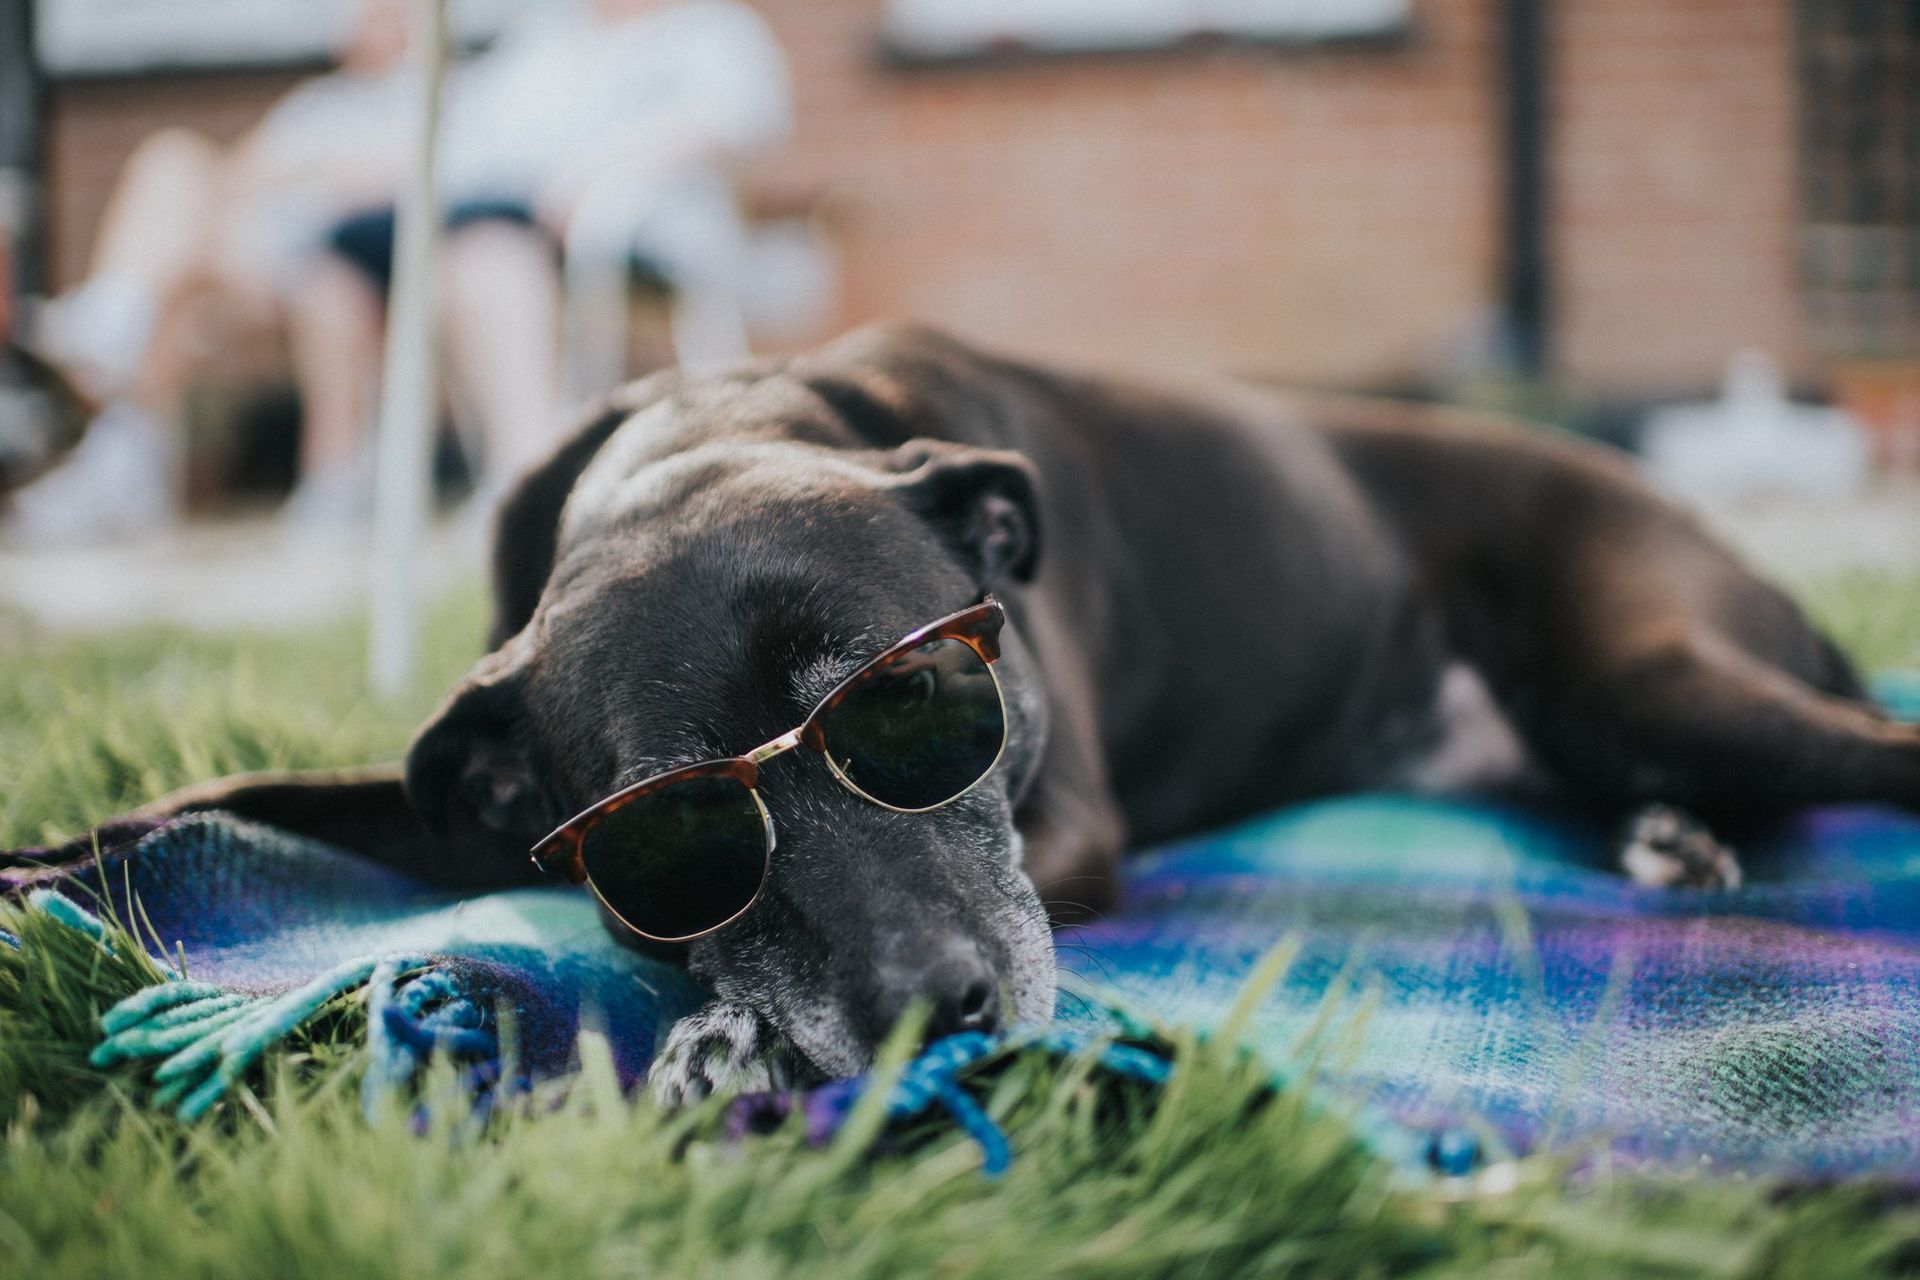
x=723, y=560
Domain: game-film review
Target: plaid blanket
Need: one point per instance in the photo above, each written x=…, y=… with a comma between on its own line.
x=1478, y=968
x=1470, y=978
x=266, y=929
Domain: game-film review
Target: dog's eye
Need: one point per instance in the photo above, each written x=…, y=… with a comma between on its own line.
x=920, y=687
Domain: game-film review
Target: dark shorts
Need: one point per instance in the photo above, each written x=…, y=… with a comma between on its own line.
x=365, y=239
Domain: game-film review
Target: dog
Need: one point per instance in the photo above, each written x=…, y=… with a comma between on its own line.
x=1219, y=600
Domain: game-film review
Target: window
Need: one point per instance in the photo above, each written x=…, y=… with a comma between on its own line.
x=1860, y=175
x=943, y=29
x=124, y=37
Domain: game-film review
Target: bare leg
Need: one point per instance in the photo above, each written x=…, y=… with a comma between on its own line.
x=597, y=338
x=501, y=296
x=701, y=243
x=174, y=350
x=125, y=336
x=152, y=251
x=335, y=323
x=688, y=226
x=157, y=222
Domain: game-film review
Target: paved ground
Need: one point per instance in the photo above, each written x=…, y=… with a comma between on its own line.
x=216, y=576
x=1798, y=538
x=243, y=573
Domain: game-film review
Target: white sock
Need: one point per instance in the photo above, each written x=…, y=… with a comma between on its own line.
x=100, y=331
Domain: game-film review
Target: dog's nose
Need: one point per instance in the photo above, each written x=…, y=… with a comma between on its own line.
x=954, y=981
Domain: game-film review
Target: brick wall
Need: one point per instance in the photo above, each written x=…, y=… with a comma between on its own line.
x=93, y=126
x=1327, y=217
x=1673, y=173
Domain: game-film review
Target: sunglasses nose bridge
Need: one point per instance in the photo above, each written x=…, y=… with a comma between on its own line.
x=779, y=746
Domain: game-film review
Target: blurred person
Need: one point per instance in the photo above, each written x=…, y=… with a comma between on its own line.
x=617, y=122
x=499, y=306
x=191, y=221
x=603, y=128
x=294, y=223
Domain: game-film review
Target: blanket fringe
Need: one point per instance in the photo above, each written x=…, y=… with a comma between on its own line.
x=408, y=1023
x=933, y=1081
x=205, y=1037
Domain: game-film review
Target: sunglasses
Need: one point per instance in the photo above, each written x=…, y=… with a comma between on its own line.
x=683, y=853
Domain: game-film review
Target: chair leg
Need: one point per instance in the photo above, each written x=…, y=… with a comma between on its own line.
x=709, y=328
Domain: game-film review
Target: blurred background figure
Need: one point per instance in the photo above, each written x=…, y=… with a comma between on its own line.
x=619, y=125
x=189, y=224
x=1614, y=216
x=596, y=136
x=588, y=136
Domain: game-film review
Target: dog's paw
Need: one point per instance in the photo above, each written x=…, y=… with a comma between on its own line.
x=724, y=1048
x=1667, y=847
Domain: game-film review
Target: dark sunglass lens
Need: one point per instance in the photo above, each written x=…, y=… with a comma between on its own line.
x=922, y=730
x=681, y=860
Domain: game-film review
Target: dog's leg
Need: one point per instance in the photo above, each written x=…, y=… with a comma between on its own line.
x=365, y=811
x=1666, y=847
x=726, y=1047
x=1704, y=724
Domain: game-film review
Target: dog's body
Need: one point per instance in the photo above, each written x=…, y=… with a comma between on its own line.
x=1220, y=601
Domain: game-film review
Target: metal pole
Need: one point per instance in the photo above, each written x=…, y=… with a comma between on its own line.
x=20, y=156
x=1529, y=265
x=409, y=391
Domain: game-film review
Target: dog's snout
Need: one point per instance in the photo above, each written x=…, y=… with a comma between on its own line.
x=953, y=979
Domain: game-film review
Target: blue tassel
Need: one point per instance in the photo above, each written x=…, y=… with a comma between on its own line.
x=933, y=1079
x=1453, y=1153
x=406, y=1024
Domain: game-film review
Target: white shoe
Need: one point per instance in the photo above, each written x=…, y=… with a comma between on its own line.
x=334, y=504
x=117, y=484
x=98, y=333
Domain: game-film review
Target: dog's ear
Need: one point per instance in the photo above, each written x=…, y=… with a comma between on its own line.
x=474, y=767
x=526, y=530
x=984, y=503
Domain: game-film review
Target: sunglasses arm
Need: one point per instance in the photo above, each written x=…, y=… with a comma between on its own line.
x=559, y=854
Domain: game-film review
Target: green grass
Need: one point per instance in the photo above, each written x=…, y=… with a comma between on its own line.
x=97, y=726
x=1874, y=615
x=1215, y=1177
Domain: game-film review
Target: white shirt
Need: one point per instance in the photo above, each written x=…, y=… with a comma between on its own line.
x=334, y=145
x=561, y=97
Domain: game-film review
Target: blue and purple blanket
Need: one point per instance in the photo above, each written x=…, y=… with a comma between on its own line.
x=1460, y=969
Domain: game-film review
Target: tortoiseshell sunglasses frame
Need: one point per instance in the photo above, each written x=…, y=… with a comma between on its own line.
x=563, y=851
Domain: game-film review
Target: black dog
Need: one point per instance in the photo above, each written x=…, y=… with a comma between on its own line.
x=1219, y=602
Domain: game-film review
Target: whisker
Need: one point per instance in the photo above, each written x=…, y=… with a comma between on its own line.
x=1086, y=1005
x=1102, y=961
